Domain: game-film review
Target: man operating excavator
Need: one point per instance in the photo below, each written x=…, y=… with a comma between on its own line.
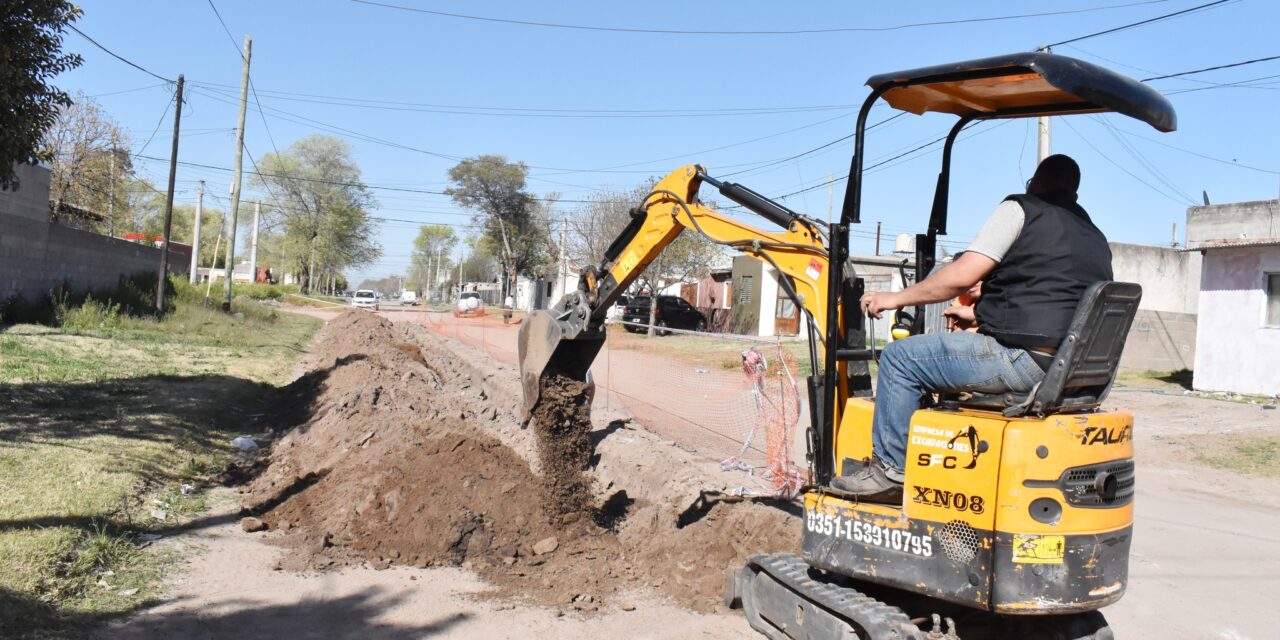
x=1035, y=256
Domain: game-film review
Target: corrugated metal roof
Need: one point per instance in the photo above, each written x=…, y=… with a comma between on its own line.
x=1234, y=243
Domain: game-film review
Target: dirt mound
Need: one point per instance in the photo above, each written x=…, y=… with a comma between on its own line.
x=405, y=453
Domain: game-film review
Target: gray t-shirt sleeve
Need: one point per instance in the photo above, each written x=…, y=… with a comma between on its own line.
x=1000, y=230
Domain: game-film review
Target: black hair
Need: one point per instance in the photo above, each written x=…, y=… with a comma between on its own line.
x=1058, y=172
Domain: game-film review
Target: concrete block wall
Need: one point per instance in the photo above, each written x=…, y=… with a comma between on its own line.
x=1160, y=341
x=1170, y=278
x=37, y=255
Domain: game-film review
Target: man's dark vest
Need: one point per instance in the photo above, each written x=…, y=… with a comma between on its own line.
x=1028, y=300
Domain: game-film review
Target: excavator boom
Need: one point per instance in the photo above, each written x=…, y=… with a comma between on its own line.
x=565, y=339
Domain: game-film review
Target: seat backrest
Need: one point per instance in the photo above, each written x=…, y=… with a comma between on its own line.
x=1085, y=366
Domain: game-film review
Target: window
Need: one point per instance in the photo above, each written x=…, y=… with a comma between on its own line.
x=744, y=290
x=1273, y=299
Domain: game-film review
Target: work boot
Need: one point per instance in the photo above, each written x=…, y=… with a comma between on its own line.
x=873, y=482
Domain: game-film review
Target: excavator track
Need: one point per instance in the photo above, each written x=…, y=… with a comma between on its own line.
x=783, y=601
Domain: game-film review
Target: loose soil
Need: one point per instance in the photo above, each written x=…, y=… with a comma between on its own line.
x=405, y=452
x=562, y=421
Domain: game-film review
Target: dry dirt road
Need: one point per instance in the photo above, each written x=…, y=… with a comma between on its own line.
x=1205, y=559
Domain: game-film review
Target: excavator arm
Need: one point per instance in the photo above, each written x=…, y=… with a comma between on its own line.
x=565, y=339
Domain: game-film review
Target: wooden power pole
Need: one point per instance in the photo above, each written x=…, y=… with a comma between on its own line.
x=228, y=266
x=194, y=276
x=168, y=202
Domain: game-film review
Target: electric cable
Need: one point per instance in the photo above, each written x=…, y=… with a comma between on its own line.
x=529, y=23
x=120, y=57
x=1140, y=23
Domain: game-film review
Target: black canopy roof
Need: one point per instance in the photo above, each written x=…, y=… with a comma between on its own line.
x=1024, y=85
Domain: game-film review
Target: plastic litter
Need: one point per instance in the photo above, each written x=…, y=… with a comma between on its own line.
x=244, y=443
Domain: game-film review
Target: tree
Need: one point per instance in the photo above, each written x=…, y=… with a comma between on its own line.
x=685, y=259
x=90, y=161
x=321, y=205
x=495, y=189
x=430, y=258
x=596, y=224
x=481, y=262
x=31, y=43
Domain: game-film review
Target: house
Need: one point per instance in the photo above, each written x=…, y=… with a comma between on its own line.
x=1238, y=329
x=240, y=274
x=760, y=308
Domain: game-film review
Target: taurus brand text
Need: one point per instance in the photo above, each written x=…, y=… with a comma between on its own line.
x=948, y=499
x=1102, y=435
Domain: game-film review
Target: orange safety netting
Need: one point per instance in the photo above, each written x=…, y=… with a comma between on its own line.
x=777, y=409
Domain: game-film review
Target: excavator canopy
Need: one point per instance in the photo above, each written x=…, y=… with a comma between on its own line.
x=1021, y=85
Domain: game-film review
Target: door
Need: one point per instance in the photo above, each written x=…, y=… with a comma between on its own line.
x=786, y=319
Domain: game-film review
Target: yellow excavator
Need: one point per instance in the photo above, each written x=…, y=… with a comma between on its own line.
x=1018, y=508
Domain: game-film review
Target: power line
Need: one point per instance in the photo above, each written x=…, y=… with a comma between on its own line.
x=1221, y=66
x=1119, y=166
x=120, y=57
x=525, y=112
x=370, y=101
x=683, y=32
x=1242, y=84
x=1139, y=23
x=159, y=122
x=234, y=44
x=1232, y=163
x=818, y=148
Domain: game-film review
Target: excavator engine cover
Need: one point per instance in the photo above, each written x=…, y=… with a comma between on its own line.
x=547, y=347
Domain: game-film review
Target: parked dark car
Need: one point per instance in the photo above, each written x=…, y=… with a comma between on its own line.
x=673, y=312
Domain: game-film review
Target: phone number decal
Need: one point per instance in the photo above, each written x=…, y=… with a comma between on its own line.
x=838, y=526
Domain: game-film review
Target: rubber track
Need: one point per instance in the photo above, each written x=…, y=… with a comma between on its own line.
x=879, y=620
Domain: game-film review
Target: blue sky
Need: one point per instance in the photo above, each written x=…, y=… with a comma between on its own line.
x=430, y=88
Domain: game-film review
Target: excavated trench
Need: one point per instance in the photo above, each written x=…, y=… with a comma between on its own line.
x=405, y=450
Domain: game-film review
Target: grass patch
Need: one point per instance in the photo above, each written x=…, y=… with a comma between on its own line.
x=1253, y=455
x=1173, y=380
x=110, y=425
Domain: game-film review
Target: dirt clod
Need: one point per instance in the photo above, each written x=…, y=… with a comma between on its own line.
x=252, y=524
x=545, y=546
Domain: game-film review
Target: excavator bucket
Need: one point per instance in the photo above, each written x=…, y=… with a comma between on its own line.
x=545, y=349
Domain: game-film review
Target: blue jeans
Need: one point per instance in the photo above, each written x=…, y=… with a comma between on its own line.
x=935, y=363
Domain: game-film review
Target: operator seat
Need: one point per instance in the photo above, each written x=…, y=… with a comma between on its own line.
x=1085, y=366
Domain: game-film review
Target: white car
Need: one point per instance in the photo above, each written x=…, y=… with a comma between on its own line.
x=365, y=299
x=470, y=301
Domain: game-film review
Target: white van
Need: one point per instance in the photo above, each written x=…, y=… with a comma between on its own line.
x=365, y=299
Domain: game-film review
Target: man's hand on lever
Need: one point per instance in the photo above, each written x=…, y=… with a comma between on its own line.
x=876, y=302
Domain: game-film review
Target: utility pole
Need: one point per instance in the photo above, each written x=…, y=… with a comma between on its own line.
x=877, y=237
x=111, y=202
x=831, y=191
x=168, y=202
x=228, y=267
x=563, y=271
x=435, y=281
x=1042, y=132
x=253, y=243
x=195, y=235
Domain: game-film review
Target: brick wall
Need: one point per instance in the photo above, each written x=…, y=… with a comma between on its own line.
x=37, y=255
